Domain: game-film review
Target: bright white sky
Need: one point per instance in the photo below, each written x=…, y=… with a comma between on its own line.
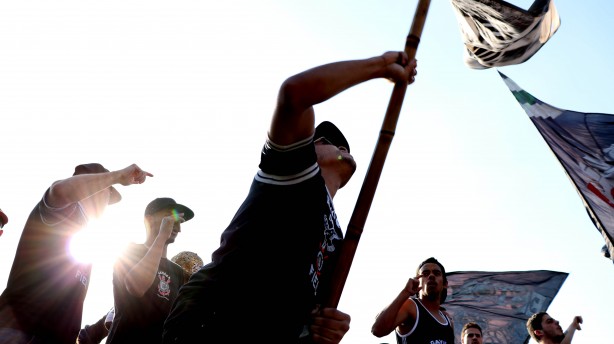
x=185, y=89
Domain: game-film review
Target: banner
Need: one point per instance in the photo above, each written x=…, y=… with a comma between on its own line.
x=584, y=145
x=500, y=302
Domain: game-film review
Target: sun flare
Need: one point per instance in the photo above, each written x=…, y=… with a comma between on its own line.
x=100, y=243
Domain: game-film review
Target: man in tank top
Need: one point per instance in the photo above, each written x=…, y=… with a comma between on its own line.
x=416, y=313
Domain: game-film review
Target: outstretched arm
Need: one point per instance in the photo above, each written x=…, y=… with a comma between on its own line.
x=398, y=311
x=293, y=119
x=82, y=186
x=571, y=330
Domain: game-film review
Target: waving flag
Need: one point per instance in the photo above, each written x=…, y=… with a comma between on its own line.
x=497, y=33
x=584, y=145
x=500, y=302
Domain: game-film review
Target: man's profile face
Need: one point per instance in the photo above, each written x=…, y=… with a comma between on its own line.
x=472, y=336
x=551, y=328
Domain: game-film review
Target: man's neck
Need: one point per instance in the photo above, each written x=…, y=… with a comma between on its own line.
x=433, y=306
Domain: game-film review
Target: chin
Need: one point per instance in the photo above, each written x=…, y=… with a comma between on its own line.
x=348, y=175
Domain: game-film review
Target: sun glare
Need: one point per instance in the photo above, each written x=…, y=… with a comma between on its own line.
x=97, y=243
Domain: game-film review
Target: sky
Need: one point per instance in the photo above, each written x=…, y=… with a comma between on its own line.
x=186, y=89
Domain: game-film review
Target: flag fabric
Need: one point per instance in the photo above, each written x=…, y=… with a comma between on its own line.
x=584, y=145
x=497, y=33
x=500, y=302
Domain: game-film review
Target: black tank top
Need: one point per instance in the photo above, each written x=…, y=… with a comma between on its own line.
x=427, y=329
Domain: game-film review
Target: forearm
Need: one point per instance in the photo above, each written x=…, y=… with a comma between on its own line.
x=294, y=117
x=571, y=330
x=388, y=319
x=76, y=188
x=140, y=277
x=321, y=83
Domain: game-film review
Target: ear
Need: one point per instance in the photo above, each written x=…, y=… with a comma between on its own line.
x=539, y=333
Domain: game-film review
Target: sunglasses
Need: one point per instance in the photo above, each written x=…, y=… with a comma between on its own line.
x=323, y=140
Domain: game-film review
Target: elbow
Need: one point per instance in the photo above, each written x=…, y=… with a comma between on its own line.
x=133, y=289
x=292, y=95
x=378, y=332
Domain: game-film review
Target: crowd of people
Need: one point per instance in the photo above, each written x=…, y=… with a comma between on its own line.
x=288, y=213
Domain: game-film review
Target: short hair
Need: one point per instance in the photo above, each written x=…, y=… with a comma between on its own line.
x=535, y=323
x=444, y=292
x=433, y=261
x=469, y=325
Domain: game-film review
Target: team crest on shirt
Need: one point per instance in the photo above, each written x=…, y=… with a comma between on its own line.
x=164, y=286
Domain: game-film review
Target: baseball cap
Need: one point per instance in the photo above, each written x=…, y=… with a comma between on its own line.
x=3, y=218
x=98, y=168
x=163, y=203
x=331, y=133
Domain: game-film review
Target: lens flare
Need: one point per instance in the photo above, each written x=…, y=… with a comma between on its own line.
x=175, y=215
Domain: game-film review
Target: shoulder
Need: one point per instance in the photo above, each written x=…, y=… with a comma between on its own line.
x=52, y=216
x=409, y=314
x=287, y=164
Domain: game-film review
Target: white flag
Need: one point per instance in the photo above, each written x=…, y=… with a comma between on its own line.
x=497, y=33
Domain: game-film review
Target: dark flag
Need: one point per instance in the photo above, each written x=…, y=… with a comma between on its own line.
x=584, y=145
x=497, y=33
x=500, y=302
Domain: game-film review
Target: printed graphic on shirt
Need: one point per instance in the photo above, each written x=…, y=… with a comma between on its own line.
x=164, y=286
x=82, y=277
x=331, y=237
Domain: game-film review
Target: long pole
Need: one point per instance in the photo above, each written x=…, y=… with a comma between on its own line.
x=365, y=197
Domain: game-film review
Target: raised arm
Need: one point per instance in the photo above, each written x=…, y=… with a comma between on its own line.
x=398, y=311
x=79, y=187
x=140, y=276
x=293, y=119
x=571, y=330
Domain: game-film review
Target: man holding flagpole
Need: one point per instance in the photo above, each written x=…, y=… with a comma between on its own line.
x=270, y=275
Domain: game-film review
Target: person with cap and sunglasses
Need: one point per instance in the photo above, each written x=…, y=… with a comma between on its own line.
x=46, y=288
x=95, y=333
x=3, y=221
x=270, y=276
x=145, y=281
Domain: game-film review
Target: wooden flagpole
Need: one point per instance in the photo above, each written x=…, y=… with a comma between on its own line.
x=365, y=197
